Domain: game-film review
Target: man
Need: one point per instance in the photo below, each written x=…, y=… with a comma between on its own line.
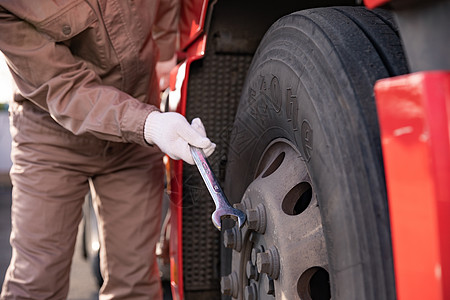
x=87, y=111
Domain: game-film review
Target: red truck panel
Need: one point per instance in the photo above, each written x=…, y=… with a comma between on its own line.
x=414, y=114
x=192, y=20
x=375, y=3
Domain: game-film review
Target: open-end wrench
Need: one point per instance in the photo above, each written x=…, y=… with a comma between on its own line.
x=223, y=207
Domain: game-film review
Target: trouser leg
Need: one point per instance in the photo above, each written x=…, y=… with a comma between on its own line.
x=48, y=194
x=46, y=211
x=43, y=235
x=128, y=199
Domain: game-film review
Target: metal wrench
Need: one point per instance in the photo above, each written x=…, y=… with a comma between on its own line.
x=223, y=207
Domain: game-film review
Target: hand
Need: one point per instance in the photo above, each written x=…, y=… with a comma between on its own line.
x=163, y=69
x=172, y=133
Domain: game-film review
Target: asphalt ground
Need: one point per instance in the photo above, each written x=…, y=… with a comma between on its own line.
x=5, y=228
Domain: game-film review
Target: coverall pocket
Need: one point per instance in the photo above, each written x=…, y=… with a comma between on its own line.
x=67, y=22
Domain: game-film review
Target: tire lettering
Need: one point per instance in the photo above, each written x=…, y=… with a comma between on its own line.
x=275, y=92
x=291, y=109
x=307, y=139
x=263, y=86
x=252, y=95
x=239, y=137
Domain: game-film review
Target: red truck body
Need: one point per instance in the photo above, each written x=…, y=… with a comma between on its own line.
x=414, y=116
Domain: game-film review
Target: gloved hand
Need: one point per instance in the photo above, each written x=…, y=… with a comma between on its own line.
x=172, y=133
x=163, y=69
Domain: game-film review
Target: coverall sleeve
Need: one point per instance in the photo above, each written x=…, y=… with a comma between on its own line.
x=166, y=28
x=48, y=74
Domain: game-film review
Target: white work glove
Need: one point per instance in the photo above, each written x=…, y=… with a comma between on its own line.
x=163, y=69
x=172, y=133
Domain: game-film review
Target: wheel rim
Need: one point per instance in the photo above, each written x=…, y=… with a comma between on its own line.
x=280, y=251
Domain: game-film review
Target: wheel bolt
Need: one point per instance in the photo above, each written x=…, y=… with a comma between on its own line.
x=253, y=237
x=232, y=238
x=269, y=262
x=251, y=292
x=230, y=285
x=255, y=251
x=240, y=206
x=256, y=218
x=246, y=202
x=263, y=262
x=268, y=285
x=252, y=272
x=228, y=238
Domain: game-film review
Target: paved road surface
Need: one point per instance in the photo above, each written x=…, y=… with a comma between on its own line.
x=5, y=227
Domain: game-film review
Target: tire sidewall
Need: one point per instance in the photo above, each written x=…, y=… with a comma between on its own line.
x=283, y=98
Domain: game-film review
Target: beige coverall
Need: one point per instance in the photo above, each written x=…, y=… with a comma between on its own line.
x=85, y=71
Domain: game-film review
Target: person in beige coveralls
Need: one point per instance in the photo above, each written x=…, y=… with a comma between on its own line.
x=85, y=117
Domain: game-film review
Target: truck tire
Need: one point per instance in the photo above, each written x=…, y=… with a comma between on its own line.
x=305, y=161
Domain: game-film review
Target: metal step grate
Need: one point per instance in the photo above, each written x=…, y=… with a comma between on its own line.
x=214, y=89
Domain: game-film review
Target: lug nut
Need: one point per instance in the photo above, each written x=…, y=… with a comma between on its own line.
x=229, y=238
x=246, y=202
x=252, y=272
x=255, y=251
x=268, y=285
x=263, y=261
x=240, y=206
x=230, y=285
x=251, y=292
x=256, y=218
x=269, y=262
x=232, y=238
x=253, y=237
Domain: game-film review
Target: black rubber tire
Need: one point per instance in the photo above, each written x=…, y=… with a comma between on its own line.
x=311, y=82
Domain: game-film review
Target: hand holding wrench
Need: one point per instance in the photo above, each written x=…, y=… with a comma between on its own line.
x=223, y=207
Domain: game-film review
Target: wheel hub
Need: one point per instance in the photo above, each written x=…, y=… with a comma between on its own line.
x=280, y=249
